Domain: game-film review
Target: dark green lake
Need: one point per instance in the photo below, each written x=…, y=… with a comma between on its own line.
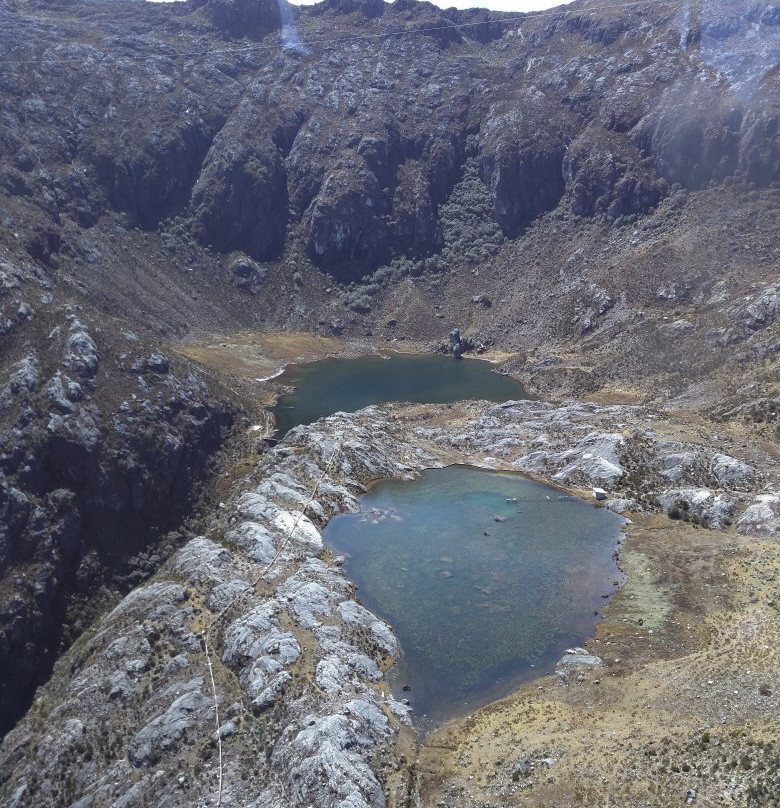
x=333, y=385
x=483, y=591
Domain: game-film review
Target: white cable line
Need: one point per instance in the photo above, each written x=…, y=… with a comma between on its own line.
x=345, y=40
x=237, y=597
x=216, y=715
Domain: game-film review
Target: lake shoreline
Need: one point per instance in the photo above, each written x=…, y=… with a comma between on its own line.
x=308, y=694
x=312, y=390
x=443, y=565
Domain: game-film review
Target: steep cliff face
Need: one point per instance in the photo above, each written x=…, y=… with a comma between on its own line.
x=337, y=132
x=103, y=442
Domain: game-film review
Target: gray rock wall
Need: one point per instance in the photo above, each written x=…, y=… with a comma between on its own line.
x=257, y=141
x=295, y=657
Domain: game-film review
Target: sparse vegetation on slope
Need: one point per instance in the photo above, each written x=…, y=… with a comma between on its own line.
x=591, y=193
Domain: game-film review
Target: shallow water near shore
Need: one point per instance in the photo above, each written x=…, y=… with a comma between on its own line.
x=485, y=577
x=333, y=385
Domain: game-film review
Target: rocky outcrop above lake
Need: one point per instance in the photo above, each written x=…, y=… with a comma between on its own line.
x=586, y=446
x=338, y=132
x=304, y=717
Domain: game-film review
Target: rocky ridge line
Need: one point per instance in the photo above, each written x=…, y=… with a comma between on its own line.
x=104, y=443
x=298, y=660
x=306, y=720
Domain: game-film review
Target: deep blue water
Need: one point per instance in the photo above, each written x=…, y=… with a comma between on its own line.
x=333, y=385
x=482, y=591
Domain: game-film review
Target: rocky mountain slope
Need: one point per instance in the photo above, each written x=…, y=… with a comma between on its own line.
x=104, y=443
x=591, y=192
x=340, y=138
x=257, y=619
x=237, y=163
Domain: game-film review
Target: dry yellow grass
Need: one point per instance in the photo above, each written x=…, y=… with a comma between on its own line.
x=686, y=700
x=259, y=356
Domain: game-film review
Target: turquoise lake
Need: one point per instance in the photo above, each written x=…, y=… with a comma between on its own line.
x=485, y=577
x=333, y=385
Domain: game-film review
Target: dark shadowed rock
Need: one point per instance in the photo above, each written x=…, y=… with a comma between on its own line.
x=249, y=275
x=346, y=227
x=240, y=198
x=759, y=150
x=604, y=174
x=252, y=18
x=153, y=177
x=526, y=179
x=694, y=136
x=105, y=479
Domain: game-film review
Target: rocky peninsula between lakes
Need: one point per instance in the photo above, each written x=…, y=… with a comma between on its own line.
x=246, y=672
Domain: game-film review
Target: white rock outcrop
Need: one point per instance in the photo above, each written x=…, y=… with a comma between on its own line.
x=297, y=662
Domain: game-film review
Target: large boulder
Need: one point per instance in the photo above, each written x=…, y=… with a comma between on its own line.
x=762, y=517
x=759, y=311
x=240, y=198
x=526, y=179
x=346, y=227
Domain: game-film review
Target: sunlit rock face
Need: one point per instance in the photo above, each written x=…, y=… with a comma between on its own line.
x=339, y=131
x=298, y=663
